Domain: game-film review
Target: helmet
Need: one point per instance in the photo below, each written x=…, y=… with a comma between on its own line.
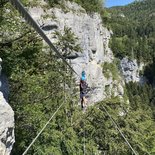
x=83, y=75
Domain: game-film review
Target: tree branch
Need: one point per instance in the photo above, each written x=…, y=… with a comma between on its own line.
x=3, y=2
x=9, y=43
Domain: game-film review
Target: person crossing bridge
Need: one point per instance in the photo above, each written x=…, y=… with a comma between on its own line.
x=83, y=90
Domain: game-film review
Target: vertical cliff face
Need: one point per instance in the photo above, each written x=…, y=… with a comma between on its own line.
x=131, y=71
x=93, y=39
x=7, y=138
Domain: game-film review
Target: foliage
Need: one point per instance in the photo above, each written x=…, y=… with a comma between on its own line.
x=133, y=29
x=67, y=42
x=53, y=3
x=100, y=128
x=149, y=72
x=110, y=69
x=89, y=5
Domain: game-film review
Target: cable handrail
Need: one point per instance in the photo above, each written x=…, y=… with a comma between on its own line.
x=113, y=121
x=18, y=5
x=42, y=129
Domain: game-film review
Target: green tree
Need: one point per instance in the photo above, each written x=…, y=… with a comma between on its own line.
x=67, y=42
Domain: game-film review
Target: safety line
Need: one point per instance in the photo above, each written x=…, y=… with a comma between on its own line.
x=120, y=131
x=64, y=101
x=18, y=5
x=42, y=129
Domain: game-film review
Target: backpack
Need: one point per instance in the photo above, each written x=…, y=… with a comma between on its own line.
x=83, y=86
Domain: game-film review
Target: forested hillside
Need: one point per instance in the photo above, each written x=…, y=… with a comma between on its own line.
x=134, y=30
x=40, y=83
x=133, y=36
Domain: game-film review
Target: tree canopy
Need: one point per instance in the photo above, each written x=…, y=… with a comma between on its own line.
x=133, y=29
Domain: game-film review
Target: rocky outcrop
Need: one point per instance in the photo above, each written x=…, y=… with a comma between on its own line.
x=92, y=37
x=7, y=138
x=131, y=71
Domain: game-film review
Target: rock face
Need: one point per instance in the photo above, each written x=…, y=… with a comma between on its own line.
x=130, y=71
x=7, y=138
x=92, y=37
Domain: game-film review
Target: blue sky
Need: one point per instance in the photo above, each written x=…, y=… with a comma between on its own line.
x=109, y=3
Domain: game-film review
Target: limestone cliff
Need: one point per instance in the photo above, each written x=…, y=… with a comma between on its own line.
x=7, y=138
x=131, y=71
x=93, y=39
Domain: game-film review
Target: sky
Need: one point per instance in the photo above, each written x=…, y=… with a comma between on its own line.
x=110, y=3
